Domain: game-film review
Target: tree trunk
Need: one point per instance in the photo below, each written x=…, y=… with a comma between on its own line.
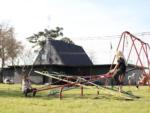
x=2, y=66
x=1, y=72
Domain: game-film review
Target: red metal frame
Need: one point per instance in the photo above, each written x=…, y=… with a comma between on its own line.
x=79, y=84
x=61, y=88
x=144, y=47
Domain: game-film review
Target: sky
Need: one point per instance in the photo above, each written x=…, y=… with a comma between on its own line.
x=87, y=22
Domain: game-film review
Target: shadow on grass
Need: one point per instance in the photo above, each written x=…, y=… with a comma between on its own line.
x=90, y=96
x=19, y=94
x=8, y=93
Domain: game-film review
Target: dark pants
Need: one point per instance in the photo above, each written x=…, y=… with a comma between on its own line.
x=116, y=78
x=32, y=90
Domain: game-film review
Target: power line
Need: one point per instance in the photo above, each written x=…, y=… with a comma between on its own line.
x=111, y=37
x=99, y=37
x=143, y=34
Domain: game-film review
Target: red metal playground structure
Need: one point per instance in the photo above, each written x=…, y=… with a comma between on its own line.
x=141, y=51
x=137, y=47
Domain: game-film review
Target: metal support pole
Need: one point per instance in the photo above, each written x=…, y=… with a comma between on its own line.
x=60, y=94
x=139, y=55
x=130, y=52
x=81, y=90
x=124, y=36
x=117, y=49
x=97, y=92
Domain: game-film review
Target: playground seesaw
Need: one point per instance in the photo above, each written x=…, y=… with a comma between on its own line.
x=82, y=85
x=98, y=77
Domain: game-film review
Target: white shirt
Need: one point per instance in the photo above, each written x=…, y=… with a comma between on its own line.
x=26, y=84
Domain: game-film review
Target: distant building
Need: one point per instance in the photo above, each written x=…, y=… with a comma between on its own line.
x=15, y=73
x=61, y=53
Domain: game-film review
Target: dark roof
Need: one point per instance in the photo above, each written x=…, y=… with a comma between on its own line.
x=71, y=54
x=62, y=53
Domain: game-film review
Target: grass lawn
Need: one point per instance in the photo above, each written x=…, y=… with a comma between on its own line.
x=12, y=101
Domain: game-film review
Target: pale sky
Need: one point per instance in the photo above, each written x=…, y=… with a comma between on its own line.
x=82, y=21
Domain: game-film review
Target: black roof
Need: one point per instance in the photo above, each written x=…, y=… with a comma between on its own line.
x=62, y=53
x=71, y=54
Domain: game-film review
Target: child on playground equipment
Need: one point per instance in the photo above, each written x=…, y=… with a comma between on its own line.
x=144, y=80
x=119, y=71
x=131, y=79
x=26, y=85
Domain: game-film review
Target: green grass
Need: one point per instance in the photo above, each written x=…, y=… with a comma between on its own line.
x=12, y=101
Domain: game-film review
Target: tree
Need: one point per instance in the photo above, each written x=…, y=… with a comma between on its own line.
x=27, y=56
x=13, y=48
x=9, y=46
x=67, y=40
x=52, y=34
